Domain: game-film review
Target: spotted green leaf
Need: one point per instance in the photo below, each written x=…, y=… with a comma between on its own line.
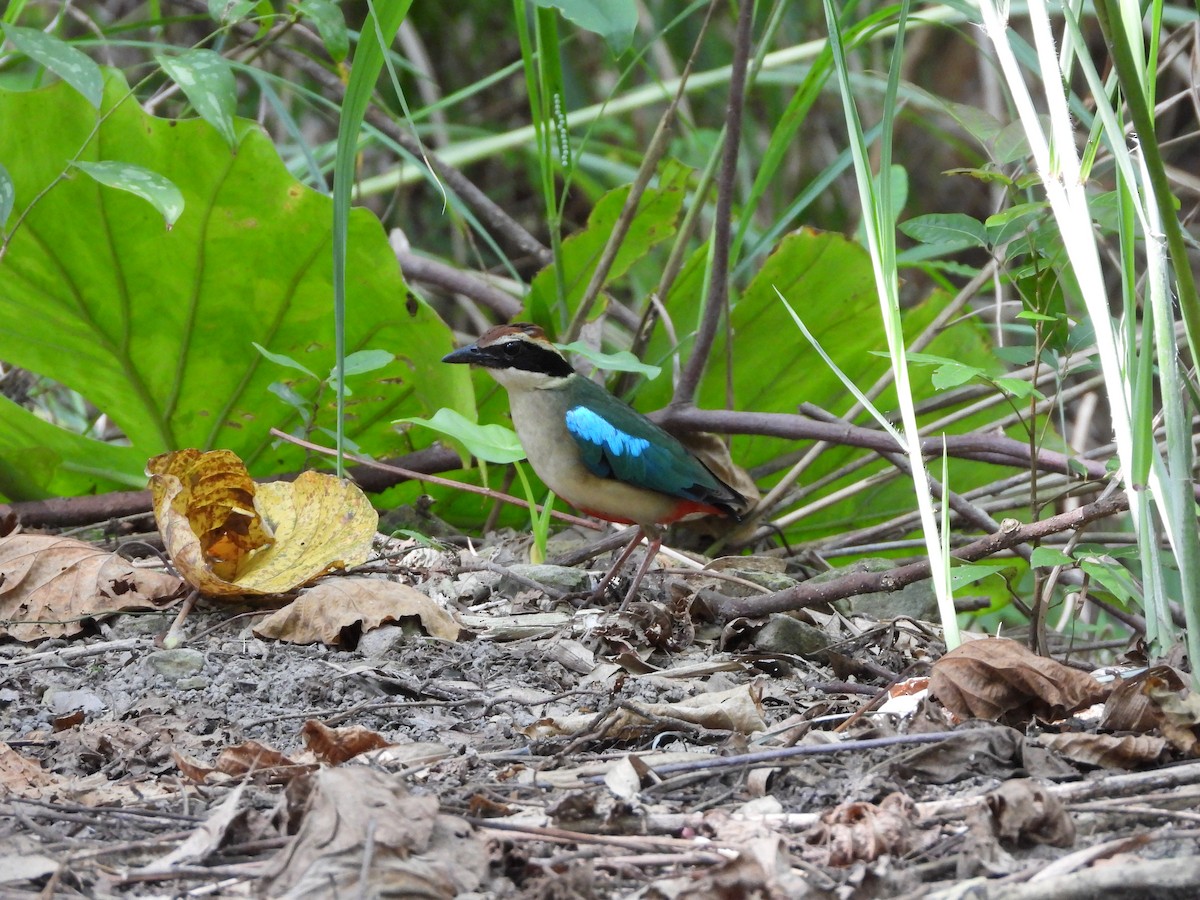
x=156, y=190
x=207, y=80
x=69, y=64
x=154, y=326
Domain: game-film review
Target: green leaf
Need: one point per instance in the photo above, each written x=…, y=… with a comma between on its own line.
x=39, y=460
x=207, y=80
x=280, y=359
x=1019, y=388
x=1113, y=577
x=491, y=443
x=953, y=229
x=1013, y=221
x=363, y=361
x=1045, y=557
x=285, y=393
x=8, y=195
x=949, y=373
x=230, y=12
x=953, y=374
x=963, y=574
x=159, y=192
x=331, y=26
x=69, y=64
x=1033, y=316
x=621, y=361
x=154, y=327
x=613, y=20
x=1017, y=354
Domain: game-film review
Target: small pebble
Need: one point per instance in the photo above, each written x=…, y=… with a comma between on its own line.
x=182, y=662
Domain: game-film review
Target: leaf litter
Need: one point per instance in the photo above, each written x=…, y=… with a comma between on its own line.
x=429, y=727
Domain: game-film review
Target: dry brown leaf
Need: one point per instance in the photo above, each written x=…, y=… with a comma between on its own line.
x=1107, y=750
x=50, y=586
x=1130, y=706
x=333, y=746
x=1180, y=716
x=1003, y=680
x=861, y=832
x=21, y=776
x=229, y=536
x=356, y=602
x=354, y=814
x=1024, y=813
x=245, y=760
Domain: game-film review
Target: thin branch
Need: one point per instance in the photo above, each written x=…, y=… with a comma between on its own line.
x=1010, y=535
x=457, y=281
x=982, y=447
x=718, y=294
x=489, y=213
x=646, y=171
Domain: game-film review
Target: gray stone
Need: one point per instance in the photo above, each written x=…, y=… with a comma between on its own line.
x=62, y=702
x=182, y=662
x=382, y=641
x=785, y=634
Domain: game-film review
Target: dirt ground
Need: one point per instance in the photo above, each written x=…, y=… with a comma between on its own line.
x=556, y=750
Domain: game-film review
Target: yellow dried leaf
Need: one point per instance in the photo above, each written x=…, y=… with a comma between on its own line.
x=229, y=536
x=49, y=586
x=322, y=613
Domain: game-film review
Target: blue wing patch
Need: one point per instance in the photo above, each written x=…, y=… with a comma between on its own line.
x=590, y=428
x=616, y=442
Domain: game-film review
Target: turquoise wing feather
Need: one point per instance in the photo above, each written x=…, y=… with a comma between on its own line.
x=615, y=441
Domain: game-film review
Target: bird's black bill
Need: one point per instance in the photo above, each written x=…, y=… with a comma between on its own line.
x=468, y=354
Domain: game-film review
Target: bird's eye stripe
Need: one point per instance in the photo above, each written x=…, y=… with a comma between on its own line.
x=594, y=429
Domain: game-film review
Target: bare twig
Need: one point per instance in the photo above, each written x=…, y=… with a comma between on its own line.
x=457, y=281
x=809, y=594
x=654, y=152
x=718, y=294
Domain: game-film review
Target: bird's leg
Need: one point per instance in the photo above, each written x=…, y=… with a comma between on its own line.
x=598, y=593
x=651, y=552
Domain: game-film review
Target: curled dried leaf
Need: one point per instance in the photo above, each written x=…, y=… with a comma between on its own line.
x=1004, y=681
x=334, y=746
x=356, y=604
x=861, y=832
x=229, y=536
x=1130, y=707
x=1023, y=812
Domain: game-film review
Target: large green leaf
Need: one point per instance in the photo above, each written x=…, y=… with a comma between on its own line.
x=154, y=326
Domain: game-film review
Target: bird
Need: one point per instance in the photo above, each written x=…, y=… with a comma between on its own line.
x=594, y=450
